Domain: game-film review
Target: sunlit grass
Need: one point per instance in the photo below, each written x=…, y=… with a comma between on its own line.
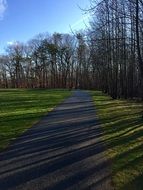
x=20, y=109
x=123, y=133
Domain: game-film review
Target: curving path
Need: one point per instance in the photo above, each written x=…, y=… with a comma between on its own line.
x=64, y=151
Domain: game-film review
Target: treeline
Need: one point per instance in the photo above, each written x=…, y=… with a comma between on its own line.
x=108, y=56
x=47, y=61
x=116, y=40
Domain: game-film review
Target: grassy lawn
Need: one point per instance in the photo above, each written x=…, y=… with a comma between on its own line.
x=123, y=134
x=20, y=109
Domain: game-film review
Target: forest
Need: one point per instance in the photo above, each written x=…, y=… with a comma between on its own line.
x=107, y=56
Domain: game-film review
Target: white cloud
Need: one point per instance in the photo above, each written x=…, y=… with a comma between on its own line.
x=11, y=43
x=3, y=7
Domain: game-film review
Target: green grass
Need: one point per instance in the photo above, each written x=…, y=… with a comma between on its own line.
x=123, y=134
x=20, y=109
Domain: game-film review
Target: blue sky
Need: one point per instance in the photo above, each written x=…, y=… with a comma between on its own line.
x=20, y=20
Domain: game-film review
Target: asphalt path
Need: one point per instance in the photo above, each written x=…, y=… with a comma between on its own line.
x=64, y=151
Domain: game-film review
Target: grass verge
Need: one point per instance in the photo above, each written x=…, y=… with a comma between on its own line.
x=20, y=109
x=123, y=134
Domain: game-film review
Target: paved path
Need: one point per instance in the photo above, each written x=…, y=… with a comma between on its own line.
x=64, y=151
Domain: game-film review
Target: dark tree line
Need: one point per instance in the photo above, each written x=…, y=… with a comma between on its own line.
x=56, y=61
x=116, y=42
x=108, y=56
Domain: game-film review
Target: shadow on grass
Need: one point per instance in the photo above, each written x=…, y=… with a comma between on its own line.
x=63, y=151
x=136, y=183
x=19, y=109
x=123, y=133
